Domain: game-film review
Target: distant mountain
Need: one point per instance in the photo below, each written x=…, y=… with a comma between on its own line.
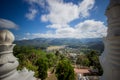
x=88, y=40
x=91, y=43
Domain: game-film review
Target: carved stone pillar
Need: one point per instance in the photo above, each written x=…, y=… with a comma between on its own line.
x=8, y=62
x=110, y=59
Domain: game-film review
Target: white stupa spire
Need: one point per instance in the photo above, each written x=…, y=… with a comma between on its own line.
x=110, y=58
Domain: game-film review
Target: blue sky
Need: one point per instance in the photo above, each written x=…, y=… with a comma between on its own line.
x=29, y=19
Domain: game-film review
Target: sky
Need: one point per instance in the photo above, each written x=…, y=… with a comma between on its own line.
x=29, y=19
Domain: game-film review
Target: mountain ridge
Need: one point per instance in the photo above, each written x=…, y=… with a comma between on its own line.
x=91, y=43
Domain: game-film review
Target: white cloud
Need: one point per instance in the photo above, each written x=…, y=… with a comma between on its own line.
x=62, y=13
x=33, y=10
x=27, y=34
x=91, y=29
x=4, y=23
x=66, y=33
x=32, y=14
x=24, y=38
x=85, y=6
x=44, y=18
x=57, y=26
x=34, y=2
x=86, y=29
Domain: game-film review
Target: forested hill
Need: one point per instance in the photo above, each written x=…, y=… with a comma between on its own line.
x=92, y=43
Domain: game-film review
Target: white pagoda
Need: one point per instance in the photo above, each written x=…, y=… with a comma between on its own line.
x=110, y=58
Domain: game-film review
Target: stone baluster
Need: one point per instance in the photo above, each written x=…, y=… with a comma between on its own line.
x=8, y=62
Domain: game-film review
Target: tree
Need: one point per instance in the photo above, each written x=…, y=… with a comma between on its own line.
x=65, y=71
x=94, y=61
x=82, y=60
x=28, y=57
x=52, y=59
x=42, y=68
x=92, y=56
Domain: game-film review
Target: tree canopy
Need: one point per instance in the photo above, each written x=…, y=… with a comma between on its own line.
x=65, y=71
x=42, y=68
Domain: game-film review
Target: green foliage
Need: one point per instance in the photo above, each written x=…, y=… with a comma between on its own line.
x=22, y=50
x=65, y=71
x=52, y=59
x=90, y=59
x=28, y=56
x=83, y=60
x=24, y=62
x=93, y=58
x=94, y=61
x=42, y=68
x=37, y=60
